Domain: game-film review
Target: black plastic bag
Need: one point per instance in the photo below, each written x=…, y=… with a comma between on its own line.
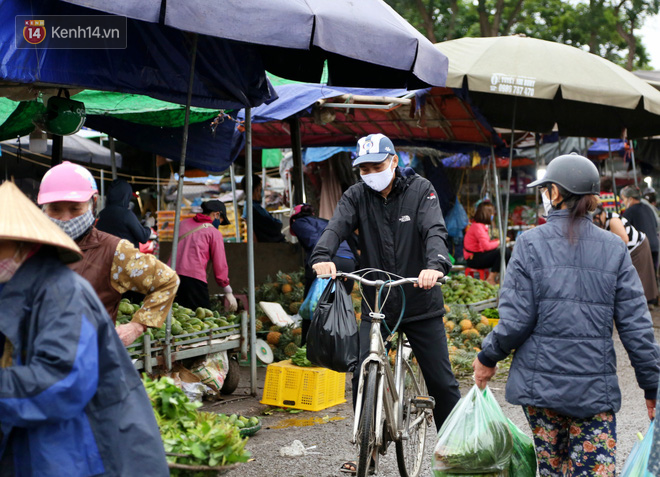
x=332, y=340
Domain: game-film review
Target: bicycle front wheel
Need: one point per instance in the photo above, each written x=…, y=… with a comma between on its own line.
x=367, y=429
x=410, y=451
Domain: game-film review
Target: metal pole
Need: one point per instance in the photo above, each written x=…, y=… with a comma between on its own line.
x=498, y=204
x=263, y=184
x=609, y=150
x=113, y=159
x=632, y=155
x=237, y=223
x=537, y=143
x=250, y=240
x=157, y=202
x=102, y=198
x=296, y=150
x=508, y=193
x=58, y=150
x=179, y=196
x=157, y=187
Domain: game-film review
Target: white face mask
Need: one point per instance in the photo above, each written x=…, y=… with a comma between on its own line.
x=379, y=181
x=547, y=203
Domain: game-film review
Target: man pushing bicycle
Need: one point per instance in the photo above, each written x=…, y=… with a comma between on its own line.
x=402, y=231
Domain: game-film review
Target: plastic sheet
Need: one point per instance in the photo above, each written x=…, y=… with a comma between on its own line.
x=475, y=439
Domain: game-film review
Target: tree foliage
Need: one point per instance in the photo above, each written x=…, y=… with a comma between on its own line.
x=608, y=28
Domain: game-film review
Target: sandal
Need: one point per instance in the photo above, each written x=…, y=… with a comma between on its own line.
x=350, y=467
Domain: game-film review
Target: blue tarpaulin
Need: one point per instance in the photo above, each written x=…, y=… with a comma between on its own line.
x=320, y=154
x=617, y=146
x=297, y=98
x=228, y=75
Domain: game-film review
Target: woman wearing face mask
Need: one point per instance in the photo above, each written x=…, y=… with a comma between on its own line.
x=568, y=283
x=111, y=265
x=200, y=242
x=638, y=246
x=479, y=250
x=71, y=402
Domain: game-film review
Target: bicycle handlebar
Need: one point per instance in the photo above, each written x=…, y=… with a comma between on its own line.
x=379, y=283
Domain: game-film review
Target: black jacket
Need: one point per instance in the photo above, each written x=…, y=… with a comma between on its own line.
x=403, y=234
x=117, y=220
x=642, y=218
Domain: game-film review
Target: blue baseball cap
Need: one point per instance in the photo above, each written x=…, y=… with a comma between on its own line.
x=373, y=148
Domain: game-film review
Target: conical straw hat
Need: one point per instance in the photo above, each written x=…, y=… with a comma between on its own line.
x=21, y=220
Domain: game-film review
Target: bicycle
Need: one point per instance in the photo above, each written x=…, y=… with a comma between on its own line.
x=392, y=406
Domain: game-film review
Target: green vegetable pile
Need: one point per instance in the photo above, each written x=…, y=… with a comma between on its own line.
x=205, y=438
x=300, y=358
x=491, y=313
x=464, y=290
x=184, y=320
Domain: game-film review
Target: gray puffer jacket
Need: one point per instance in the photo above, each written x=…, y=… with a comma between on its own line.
x=558, y=307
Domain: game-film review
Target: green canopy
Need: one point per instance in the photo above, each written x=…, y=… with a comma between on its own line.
x=271, y=157
x=16, y=117
x=141, y=109
x=277, y=81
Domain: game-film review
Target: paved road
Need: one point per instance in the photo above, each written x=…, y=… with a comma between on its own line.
x=329, y=430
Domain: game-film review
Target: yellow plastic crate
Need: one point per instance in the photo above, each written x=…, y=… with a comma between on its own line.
x=310, y=389
x=493, y=321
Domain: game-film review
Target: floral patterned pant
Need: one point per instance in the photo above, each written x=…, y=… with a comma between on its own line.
x=572, y=447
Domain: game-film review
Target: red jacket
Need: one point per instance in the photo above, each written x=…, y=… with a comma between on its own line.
x=478, y=240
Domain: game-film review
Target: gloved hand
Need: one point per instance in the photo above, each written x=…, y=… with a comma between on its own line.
x=231, y=303
x=130, y=332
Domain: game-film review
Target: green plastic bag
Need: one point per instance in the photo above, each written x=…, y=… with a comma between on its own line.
x=523, y=457
x=475, y=439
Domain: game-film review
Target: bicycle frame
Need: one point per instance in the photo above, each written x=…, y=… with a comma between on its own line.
x=390, y=385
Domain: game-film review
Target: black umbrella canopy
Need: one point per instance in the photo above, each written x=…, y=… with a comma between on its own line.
x=545, y=83
x=366, y=43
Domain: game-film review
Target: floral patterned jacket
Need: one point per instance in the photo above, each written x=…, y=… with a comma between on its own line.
x=144, y=273
x=114, y=266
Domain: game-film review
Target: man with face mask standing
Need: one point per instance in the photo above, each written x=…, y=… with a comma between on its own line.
x=113, y=266
x=402, y=231
x=200, y=241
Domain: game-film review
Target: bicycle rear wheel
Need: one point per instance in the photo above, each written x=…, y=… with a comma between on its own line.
x=367, y=429
x=410, y=451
